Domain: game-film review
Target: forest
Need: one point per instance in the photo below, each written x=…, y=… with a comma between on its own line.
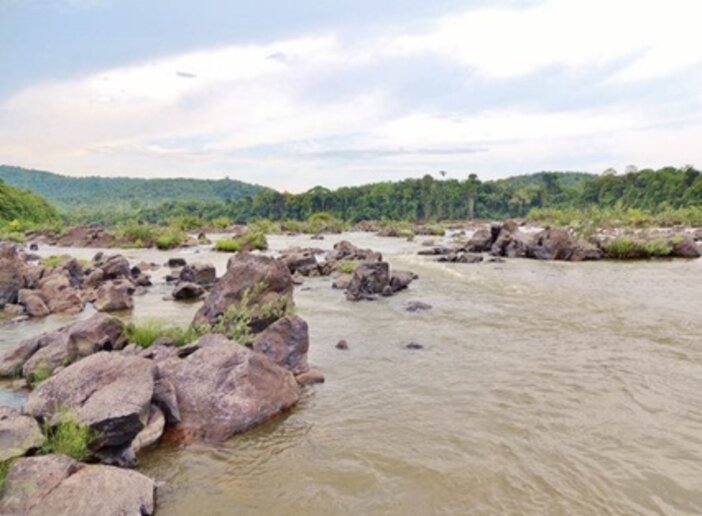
x=71, y=194
x=431, y=199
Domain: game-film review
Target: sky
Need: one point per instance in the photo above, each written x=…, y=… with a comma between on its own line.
x=314, y=92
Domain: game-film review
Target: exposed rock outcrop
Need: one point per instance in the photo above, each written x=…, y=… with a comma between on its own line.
x=18, y=434
x=60, y=485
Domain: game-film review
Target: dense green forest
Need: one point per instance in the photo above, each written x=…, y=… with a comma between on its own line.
x=121, y=193
x=429, y=198
x=19, y=208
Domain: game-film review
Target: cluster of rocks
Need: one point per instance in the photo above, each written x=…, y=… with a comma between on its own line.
x=130, y=397
x=553, y=243
x=29, y=288
x=371, y=276
x=191, y=280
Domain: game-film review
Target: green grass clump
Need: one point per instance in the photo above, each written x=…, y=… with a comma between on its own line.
x=228, y=245
x=253, y=240
x=41, y=373
x=69, y=438
x=625, y=248
x=347, y=267
x=265, y=226
x=4, y=469
x=170, y=238
x=146, y=333
x=55, y=261
x=221, y=223
x=324, y=222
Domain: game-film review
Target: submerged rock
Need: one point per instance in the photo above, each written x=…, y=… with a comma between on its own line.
x=342, y=345
x=203, y=274
x=369, y=280
x=414, y=345
x=310, y=378
x=57, y=484
x=416, y=306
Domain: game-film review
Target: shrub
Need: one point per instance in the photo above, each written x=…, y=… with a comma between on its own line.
x=146, y=333
x=323, y=222
x=625, y=248
x=265, y=226
x=220, y=223
x=228, y=245
x=170, y=238
x=68, y=437
x=246, y=242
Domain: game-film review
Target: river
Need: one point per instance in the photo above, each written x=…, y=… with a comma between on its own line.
x=542, y=388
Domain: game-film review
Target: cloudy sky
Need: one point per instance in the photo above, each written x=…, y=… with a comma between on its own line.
x=295, y=94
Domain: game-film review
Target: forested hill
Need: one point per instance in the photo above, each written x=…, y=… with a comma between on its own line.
x=21, y=207
x=69, y=193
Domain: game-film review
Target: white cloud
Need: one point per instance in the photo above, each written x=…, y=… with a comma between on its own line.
x=250, y=110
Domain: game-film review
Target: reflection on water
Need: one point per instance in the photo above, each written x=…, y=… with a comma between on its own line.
x=543, y=388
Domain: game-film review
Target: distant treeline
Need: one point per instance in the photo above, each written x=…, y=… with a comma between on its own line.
x=128, y=194
x=429, y=198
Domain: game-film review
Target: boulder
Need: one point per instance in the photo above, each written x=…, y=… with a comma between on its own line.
x=302, y=261
x=400, y=280
x=261, y=283
x=685, y=248
x=115, y=267
x=33, y=304
x=435, y=251
x=58, y=294
x=224, y=388
x=60, y=485
x=114, y=295
x=342, y=281
x=286, y=343
x=11, y=278
x=345, y=250
x=18, y=434
x=510, y=242
x=152, y=432
x=203, y=274
x=369, y=280
x=70, y=344
x=480, y=242
x=176, y=262
x=94, y=278
x=110, y=392
x=342, y=345
x=187, y=291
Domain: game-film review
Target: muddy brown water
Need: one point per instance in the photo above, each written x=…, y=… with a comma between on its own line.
x=542, y=388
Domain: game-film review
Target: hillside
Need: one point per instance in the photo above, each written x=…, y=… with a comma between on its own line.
x=24, y=207
x=70, y=193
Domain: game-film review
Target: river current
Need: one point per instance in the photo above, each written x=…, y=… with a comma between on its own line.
x=542, y=388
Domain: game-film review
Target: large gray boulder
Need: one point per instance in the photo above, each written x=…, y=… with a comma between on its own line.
x=369, y=280
x=286, y=342
x=224, y=388
x=58, y=294
x=110, y=392
x=57, y=484
x=509, y=241
x=64, y=346
x=114, y=296
x=261, y=284
x=18, y=434
x=557, y=244
x=11, y=278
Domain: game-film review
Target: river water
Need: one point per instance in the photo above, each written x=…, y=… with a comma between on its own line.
x=542, y=388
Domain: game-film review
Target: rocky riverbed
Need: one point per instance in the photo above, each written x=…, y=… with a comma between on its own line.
x=378, y=334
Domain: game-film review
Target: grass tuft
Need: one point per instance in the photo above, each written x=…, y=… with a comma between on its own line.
x=69, y=438
x=624, y=248
x=146, y=333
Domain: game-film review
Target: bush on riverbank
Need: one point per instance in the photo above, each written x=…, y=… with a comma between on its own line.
x=136, y=235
